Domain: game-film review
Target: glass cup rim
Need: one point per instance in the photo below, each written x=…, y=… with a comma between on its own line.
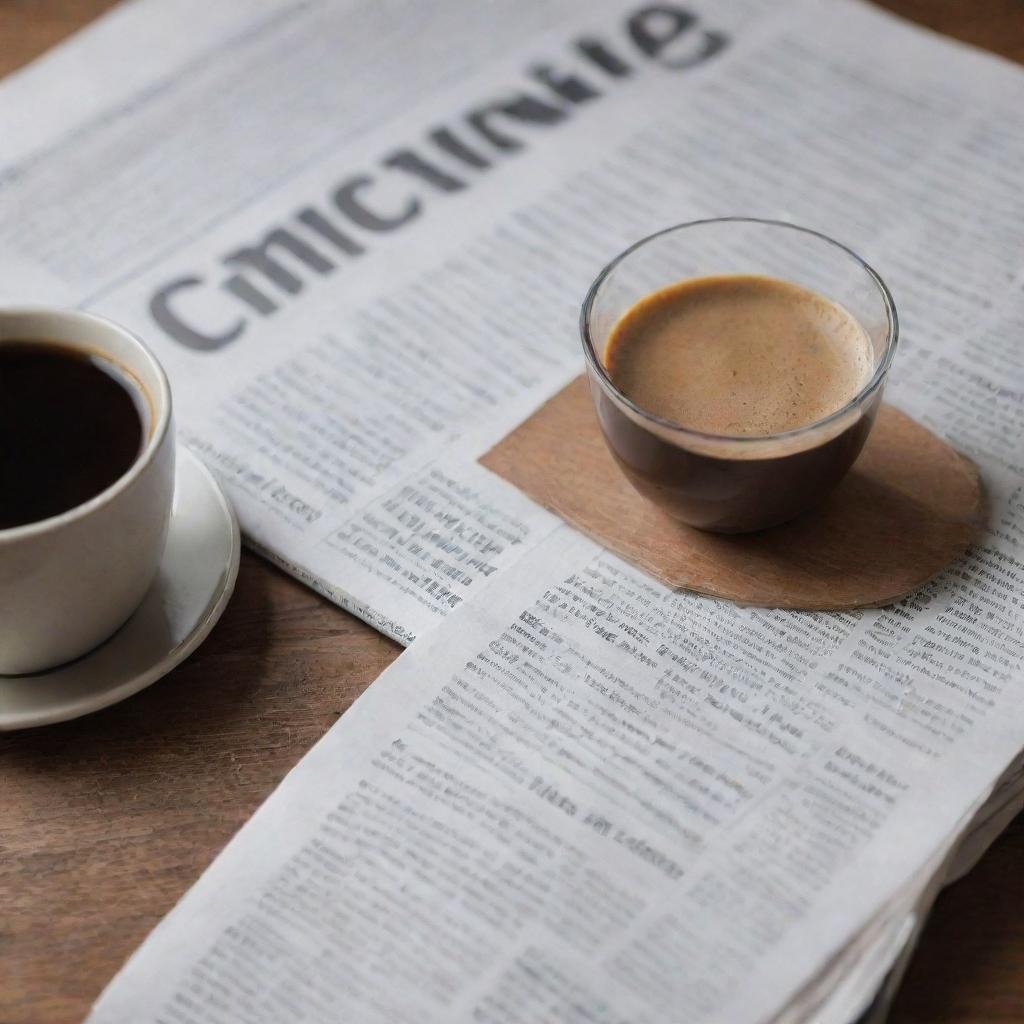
x=752, y=441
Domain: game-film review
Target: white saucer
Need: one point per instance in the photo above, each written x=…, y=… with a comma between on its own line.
x=195, y=580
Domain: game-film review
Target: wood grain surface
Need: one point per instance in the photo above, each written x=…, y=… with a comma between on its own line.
x=106, y=821
x=910, y=506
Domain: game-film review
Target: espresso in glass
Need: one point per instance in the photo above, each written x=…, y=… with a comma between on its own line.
x=738, y=399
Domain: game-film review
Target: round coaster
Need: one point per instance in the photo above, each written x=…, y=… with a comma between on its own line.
x=194, y=582
x=910, y=506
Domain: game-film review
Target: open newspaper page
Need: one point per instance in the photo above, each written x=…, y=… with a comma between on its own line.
x=353, y=235
x=358, y=234
x=567, y=803
x=586, y=797
x=582, y=797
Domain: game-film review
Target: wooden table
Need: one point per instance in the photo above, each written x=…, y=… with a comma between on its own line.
x=106, y=821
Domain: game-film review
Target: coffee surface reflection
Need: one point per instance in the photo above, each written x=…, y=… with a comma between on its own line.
x=71, y=424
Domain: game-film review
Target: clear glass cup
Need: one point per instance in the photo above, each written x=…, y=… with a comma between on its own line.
x=733, y=484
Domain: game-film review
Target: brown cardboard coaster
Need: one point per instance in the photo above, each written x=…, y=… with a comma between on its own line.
x=909, y=507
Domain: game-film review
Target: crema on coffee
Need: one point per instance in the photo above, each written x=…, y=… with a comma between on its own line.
x=739, y=355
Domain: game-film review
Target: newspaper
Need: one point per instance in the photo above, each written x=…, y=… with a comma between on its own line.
x=357, y=235
x=566, y=804
x=310, y=210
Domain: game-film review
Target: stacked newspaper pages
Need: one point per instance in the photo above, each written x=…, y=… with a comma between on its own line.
x=357, y=235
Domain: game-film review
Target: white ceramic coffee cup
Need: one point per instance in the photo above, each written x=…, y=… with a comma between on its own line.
x=68, y=582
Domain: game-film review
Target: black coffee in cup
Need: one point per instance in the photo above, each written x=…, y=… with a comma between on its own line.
x=71, y=424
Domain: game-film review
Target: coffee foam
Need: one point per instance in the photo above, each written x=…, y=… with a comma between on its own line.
x=739, y=356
